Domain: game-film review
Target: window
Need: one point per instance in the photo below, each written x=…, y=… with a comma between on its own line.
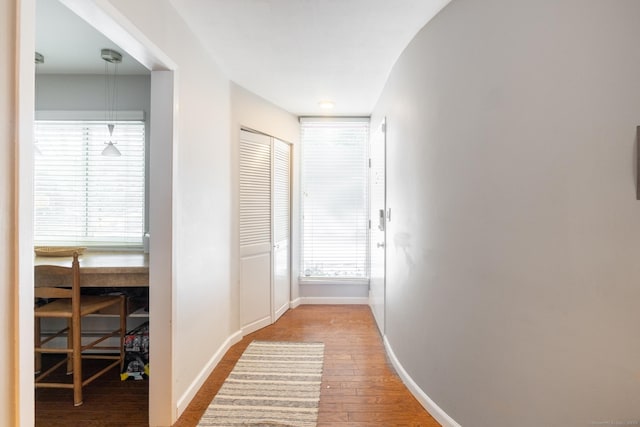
x=82, y=197
x=335, y=210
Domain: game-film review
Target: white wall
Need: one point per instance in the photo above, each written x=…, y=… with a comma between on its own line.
x=513, y=272
x=252, y=112
x=202, y=195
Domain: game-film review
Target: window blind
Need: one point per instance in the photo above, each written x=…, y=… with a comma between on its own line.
x=334, y=198
x=82, y=197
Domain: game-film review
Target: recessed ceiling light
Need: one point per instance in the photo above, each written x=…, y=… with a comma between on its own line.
x=326, y=105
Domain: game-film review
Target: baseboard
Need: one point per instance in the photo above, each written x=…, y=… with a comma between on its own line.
x=334, y=300
x=188, y=395
x=435, y=411
x=258, y=324
x=282, y=310
x=295, y=303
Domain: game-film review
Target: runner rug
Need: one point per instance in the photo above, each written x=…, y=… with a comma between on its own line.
x=274, y=384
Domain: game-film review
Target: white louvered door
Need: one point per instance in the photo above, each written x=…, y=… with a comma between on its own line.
x=265, y=218
x=281, y=227
x=255, y=231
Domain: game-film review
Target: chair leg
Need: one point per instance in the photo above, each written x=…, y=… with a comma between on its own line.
x=70, y=346
x=123, y=328
x=37, y=344
x=76, y=333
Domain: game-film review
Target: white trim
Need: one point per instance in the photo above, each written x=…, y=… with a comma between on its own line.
x=431, y=407
x=258, y=324
x=295, y=303
x=280, y=311
x=364, y=281
x=108, y=20
x=343, y=119
x=122, y=115
x=195, y=386
x=163, y=268
x=334, y=300
x=22, y=396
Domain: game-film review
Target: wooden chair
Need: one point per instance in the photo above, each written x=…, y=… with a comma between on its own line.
x=62, y=284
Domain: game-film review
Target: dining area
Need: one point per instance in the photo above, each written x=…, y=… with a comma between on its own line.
x=88, y=304
x=90, y=229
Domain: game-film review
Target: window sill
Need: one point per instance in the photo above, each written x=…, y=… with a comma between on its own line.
x=363, y=281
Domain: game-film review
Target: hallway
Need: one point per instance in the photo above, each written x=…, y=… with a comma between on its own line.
x=359, y=386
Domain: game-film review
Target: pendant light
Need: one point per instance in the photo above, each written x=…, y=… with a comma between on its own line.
x=110, y=97
x=39, y=59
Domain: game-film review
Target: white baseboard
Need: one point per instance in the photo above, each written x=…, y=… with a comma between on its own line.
x=295, y=303
x=254, y=326
x=282, y=310
x=188, y=395
x=435, y=411
x=334, y=300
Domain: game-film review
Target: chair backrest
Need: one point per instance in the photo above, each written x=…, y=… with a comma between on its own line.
x=54, y=281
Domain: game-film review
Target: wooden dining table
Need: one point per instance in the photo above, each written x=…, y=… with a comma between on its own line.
x=106, y=268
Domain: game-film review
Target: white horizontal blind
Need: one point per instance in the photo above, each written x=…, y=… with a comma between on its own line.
x=82, y=197
x=334, y=198
x=255, y=189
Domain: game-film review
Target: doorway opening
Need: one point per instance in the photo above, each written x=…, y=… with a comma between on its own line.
x=106, y=20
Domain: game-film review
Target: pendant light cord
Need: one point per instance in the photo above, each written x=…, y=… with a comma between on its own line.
x=110, y=93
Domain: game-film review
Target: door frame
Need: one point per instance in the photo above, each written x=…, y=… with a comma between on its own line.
x=374, y=221
x=276, y=312
x=106, y=19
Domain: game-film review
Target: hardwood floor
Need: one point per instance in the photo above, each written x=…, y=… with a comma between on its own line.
x=108, y=402
x=359, y=386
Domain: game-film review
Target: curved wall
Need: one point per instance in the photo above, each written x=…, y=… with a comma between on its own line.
x=514, y=246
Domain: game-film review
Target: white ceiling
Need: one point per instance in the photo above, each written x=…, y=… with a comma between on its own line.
x=294, y=53
x=71, y=46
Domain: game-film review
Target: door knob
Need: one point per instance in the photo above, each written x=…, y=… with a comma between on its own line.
x=380, y=245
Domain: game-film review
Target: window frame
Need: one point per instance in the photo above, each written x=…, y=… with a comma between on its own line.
x=328, y=279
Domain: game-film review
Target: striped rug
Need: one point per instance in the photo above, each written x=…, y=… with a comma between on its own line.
x=273, y=384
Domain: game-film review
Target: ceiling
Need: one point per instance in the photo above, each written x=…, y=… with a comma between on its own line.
x=294, y=53
x=71, y=46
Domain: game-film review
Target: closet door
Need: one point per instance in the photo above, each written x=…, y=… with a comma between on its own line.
x=281, y=227
x=255, y=231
